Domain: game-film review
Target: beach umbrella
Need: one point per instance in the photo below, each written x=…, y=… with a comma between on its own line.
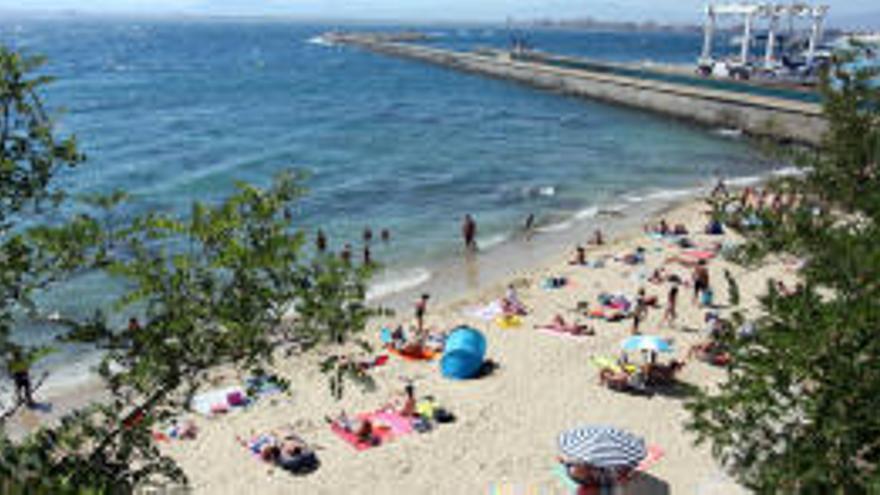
x=646, y=343
x=602, y=447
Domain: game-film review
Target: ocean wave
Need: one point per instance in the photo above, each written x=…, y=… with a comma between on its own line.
x=393, y=282
x=747, y=180
x=787, y=172
x=589, y=212
x=491, y=241
x=319, y=40
x=557, y=226
x=728, y=133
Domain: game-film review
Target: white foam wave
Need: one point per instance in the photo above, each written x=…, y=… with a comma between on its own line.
x=556, y=227
x=666, y=194
x=744, y=181
x=320, y=40
x=491, y=241
x=729, y=133
x=590, y=212
x=393, y=282
x=787, y=172
x=547, y=191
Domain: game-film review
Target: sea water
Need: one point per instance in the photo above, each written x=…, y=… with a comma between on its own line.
x=178, y=111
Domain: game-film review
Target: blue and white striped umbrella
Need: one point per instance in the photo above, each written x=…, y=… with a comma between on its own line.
x=646, y=343
x=602, y=447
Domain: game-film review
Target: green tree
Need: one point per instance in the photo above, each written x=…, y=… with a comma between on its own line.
x=225, y=285
x=798, y=410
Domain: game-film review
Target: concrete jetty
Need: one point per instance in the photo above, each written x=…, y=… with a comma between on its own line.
x=786, y=116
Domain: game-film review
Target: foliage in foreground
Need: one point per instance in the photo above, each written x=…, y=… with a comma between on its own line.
x=798, y=412
x=225, y=285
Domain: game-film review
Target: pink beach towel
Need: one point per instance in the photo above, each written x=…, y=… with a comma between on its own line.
x=560, y=333
x=386, y=426
x=699, y=254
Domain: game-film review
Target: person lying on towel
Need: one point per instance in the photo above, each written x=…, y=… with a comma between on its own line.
x=360, y=428
x=560, y=325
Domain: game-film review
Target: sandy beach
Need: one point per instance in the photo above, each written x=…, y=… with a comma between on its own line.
x=504, y=438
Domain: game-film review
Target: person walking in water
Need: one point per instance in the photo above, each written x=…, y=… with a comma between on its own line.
x=368, y=235
x=367, y=258
x=469, y=233
x=321, y=241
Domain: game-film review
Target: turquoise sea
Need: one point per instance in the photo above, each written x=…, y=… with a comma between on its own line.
x=177, y=110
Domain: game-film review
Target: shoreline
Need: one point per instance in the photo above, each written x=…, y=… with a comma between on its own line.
x=459, y=278
x=505, y=436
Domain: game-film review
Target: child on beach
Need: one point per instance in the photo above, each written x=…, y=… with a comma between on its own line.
x=640, y=311
x=510, y=303
x=580, y=256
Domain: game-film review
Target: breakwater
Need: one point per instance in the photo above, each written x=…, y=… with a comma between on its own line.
x=783, y=114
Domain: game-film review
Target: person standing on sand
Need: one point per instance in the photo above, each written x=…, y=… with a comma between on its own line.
x=19, y=368
x=700, y=279
x=321, y=241
x=671, y=299
x=420, y=310
x=469, y=233
x=640, y=311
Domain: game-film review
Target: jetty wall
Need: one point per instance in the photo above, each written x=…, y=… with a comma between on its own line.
x=758, y=115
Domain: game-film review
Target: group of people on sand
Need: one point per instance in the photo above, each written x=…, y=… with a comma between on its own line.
x=651, y=373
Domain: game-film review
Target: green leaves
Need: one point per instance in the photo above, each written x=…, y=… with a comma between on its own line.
x=797, y=413
x=212, y=289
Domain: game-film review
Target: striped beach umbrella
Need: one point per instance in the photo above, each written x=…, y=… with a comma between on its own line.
x=646, y=343
x=602, y=447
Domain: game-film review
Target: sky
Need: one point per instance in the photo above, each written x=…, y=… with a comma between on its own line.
x=851, y=13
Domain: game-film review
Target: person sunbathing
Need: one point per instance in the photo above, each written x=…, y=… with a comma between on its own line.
x=510, y=303
x=405, y=404
x=658, y=277
x=560, y=325
x=360, y=428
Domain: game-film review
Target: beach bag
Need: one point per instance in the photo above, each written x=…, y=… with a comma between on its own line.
x=441, y=415
x=421, y=425
x=236, y=398
x=707, y=297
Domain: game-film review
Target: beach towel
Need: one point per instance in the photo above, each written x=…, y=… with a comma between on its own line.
x=303, y=463
x=551, y=283
x=261, y=386
x=216, y=401
x=560, y=333
x=386, y=426
x=508, y=322
x=488, y=312
x=423, y=354
x=699, y=254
